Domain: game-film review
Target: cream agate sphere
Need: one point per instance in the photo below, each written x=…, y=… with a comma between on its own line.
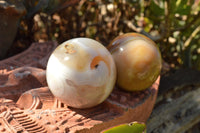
x=81, y=73
x=138, y=61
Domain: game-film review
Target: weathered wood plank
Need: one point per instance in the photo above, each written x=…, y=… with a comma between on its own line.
x=176, y=116
x=177, y=109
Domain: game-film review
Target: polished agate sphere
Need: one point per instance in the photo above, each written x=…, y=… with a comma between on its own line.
x=81, y=73
x=138, y=61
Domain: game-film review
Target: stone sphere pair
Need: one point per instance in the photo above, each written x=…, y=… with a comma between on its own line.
x=82, y=73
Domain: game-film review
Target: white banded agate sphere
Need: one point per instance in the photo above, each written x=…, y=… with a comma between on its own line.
x=81, y=73
x=138, y=61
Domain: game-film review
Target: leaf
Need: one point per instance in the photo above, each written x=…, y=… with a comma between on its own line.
x=148, y=24
x=183, y=10
x=133, y=127
x=156, y=9
x=182, y=7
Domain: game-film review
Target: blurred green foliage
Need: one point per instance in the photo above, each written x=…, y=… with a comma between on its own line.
x=173, y=24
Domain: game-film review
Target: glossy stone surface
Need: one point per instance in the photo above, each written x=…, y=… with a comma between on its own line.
x=81, y=73
x=137, y=59
x=27, y=105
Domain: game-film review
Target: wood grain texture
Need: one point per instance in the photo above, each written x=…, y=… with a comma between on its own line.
x=177, y=109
